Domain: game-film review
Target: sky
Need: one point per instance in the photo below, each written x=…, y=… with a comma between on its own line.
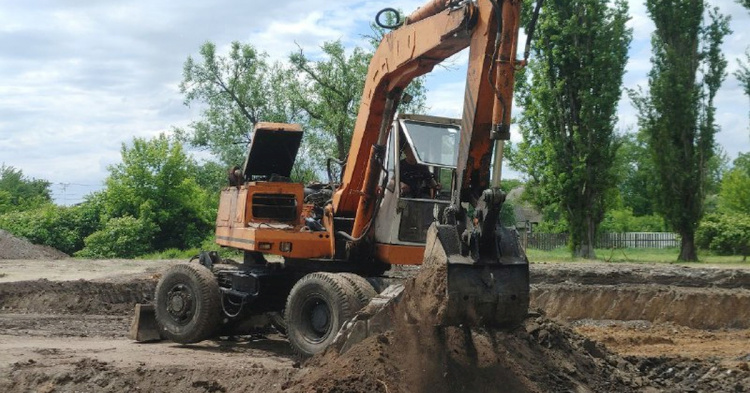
x=78, y=78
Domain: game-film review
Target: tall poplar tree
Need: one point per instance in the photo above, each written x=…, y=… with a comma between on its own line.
x=569, y=115
x=677, y=115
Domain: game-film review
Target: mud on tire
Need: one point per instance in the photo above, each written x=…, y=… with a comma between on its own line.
x=316, y=308
x=188, y=303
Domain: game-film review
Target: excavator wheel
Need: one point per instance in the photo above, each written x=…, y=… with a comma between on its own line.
x=316, y=308
x=188, y=303
x=363, y=289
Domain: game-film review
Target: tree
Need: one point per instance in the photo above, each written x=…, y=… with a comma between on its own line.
x=734, y=196
x=17, y=192
x=569, y=116
x=743, y=74
x=677, y=115
x=635, y=170
x=330, y=90
x=155, y=183
x=238, y=90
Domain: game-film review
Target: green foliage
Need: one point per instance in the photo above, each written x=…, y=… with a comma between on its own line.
x=624, y=220
x=121, y=237
x=17, y=192
x=156, y=183
x=743, y=73
x=735, y=187
x=726, y=234
x=635, y=171
x=238, y=90
x=569, y=114
x=61, y=227
x=329, y=92
x=208, y=245
x=508, y=214
x=677, y=115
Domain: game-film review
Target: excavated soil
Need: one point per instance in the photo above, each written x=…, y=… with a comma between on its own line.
x=12, y=247
x=599, y=327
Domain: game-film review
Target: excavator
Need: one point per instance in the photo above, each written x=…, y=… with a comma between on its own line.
x=314, y=256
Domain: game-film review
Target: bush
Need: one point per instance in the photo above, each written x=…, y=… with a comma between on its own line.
x=623, y=220
x=725, y=234
x=122, y=237
x=61, y=227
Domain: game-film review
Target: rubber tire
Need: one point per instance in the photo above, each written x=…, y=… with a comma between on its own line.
x=278, y=322
x=207, y=314
x=362, y=288
x=328, y=288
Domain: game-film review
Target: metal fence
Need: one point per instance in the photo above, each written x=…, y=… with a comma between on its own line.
x=550, y=241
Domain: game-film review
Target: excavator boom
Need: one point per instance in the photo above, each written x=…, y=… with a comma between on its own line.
x=486, y=272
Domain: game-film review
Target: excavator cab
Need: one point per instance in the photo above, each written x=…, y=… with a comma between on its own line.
x=483, y=277
x=420, y=164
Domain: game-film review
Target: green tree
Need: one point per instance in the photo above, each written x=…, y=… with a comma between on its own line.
x=238, y=90
x=677, y=115
x=734, y=196
x=569, y=116
x=635, y=171
x=743, y=74
x=156, y=183
x=17, y=192
x=330, y=90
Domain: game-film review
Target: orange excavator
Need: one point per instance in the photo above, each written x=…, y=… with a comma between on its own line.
x=313, y=256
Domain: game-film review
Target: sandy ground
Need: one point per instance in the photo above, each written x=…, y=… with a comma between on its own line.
x=48, y=343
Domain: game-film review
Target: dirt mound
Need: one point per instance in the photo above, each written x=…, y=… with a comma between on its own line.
x=75, y=297
x=418, y=356
x=541, y=356
x=12, y=247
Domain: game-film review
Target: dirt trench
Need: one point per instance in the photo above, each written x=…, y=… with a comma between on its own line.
x=70, y=336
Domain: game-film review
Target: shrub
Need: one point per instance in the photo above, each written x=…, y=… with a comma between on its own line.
x=61, y=227
x=725, y=234
x=122, y=237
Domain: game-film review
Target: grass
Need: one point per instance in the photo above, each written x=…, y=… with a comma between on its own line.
x=632, y=255
x=174, y=253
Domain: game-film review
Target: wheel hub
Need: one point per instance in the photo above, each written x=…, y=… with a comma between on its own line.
x=320, y=318
x=180, y=303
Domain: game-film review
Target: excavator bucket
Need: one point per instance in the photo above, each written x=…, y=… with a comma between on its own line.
x=480, y=290
x=144, y=327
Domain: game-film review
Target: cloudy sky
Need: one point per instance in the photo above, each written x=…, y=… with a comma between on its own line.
x=80, y=77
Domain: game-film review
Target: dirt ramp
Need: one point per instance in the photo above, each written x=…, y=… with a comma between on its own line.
x=701, y=308
x=75, y=297
x=12, y=247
